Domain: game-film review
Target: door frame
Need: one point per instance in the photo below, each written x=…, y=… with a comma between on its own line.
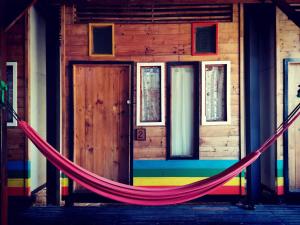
x=286, y=62
x=130, y=64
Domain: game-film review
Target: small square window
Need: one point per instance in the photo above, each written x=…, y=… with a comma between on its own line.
x=204, y=38
x=101, y=39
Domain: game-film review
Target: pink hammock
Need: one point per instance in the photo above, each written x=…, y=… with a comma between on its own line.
x=142, y=195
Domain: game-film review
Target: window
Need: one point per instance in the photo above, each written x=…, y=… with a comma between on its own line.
x=150, y=94
x=101, y=39
x=183, y=119
x=11, y=76
x=204, y=38
x=215, y=93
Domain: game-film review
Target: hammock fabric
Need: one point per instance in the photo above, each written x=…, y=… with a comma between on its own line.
x=142, y=195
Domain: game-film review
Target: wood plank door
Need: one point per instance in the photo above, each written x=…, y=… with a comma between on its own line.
x=101, y=120
x=294, y=130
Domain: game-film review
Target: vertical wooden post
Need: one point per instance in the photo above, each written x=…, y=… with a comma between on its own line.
x=53, y=102
x=3, y=146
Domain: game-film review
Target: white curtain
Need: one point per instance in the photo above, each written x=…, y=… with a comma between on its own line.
x=182, y=98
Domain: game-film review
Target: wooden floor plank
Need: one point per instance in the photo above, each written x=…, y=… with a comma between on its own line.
x=112, y=214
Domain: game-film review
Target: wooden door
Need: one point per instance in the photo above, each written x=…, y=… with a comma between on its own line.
x=101, y=120
x=294, y=130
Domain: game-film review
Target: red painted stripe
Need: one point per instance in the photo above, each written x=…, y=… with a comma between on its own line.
x=18, y=191
x=64, y=191
x=280, y=190
x=227, y=190
x=243, y=190
x=224, y=190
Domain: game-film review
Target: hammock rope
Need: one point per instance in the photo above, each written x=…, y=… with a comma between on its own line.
x=143, y=195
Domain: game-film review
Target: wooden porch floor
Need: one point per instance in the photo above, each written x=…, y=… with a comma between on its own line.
x=113, y=214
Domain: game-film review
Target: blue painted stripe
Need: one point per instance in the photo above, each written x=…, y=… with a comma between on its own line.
x=185, y=164
x=18, y=165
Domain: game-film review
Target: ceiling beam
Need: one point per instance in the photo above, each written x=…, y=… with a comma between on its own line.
x=159, y=2
x=289, y=11
x=20, y=15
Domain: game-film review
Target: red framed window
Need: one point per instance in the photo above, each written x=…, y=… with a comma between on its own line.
x=204, y=38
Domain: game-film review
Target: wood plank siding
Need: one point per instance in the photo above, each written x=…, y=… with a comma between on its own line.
x=17, y=152
x=159, y=43
x=288, y=46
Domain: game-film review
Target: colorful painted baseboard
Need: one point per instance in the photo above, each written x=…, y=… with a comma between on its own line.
x=163, y=173
x=18, y=178
x=280, y=180
x=64, y=182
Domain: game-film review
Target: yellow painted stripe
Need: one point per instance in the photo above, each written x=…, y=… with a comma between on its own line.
x=64, y=182
x=18, y=182
x=175, y=181
x=280, y=181
x=243, y=181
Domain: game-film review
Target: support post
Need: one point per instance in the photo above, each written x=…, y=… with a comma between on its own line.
x=3, y=144
x=260, y=95
x=53, y=99
x=252, y=100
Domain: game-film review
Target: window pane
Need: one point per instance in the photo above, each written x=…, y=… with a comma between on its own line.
x=102, y=40
x=182, y=107
x=10, y=85
x=215, y=92
x=206, y=39
x=151, y=94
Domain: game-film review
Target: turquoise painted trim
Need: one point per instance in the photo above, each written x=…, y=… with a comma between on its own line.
x=18, y=165
x=184, y=164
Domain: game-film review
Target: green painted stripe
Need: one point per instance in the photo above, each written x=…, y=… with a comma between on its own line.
x=18, y=174
x=176, y=172
x=63, y=175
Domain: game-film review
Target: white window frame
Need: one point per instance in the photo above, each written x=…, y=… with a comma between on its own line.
x=15, y=91
x=228, y=93
x=162, y=94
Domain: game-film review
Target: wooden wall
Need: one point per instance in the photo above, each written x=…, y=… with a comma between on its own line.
x=159, y=43
x=288, y=46
x=17, y=156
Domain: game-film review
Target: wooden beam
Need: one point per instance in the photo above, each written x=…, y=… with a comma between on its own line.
x=19, y=16
x=3, y=145
x=160, y=2
x=288, y=10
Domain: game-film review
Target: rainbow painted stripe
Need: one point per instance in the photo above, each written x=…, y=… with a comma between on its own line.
x=18, y=178
x=64, y=182
x=151, y=173
x=280, y=180
x=163, y=173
